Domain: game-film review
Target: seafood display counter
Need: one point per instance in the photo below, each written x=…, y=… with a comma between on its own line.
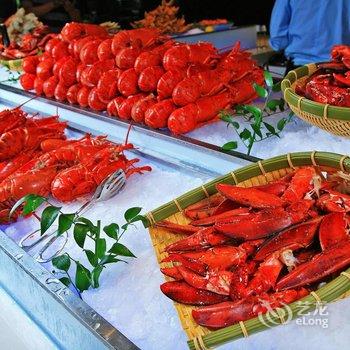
x=128, y=311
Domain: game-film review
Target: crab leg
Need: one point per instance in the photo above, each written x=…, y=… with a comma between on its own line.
x=186, y=294
x=230, y=312
x=332, y=230
x=265, y=222
x=300, y=236
x=250, y=197
x=202, y=239
x=322, y=265
x=224, y=206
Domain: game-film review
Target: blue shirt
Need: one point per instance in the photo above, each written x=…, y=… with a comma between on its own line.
x=307, y=29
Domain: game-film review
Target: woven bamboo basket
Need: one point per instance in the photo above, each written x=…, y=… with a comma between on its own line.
x=259, y=173
x=335, y=120
x=15, y=65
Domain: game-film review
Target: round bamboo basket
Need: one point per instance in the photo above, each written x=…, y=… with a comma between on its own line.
x=262, y=172
x=15, y=65
x=335, y=120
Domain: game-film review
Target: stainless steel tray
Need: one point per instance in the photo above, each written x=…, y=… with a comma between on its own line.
x=69, y=321
x=160, y=144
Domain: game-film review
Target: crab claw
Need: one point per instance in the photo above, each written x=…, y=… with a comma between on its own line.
x=334, y=201
x=300, y=184
x=226, y=215
x=176, y=228
x=300, y=236
x=266, y=222
x=230, y=312
x=322, y=265
x=202, y=239
x=250, y=197
x=217, y=282
x=185, y=294
x=332, y=230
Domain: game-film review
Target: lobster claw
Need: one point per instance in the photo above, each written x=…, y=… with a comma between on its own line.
x=266, y=222
x=202, y=239
x=186, y=294
x=231, y=312
x=297, y=237
x=250, y=197
x=322, y=264
x=333, y=201
x=333, y=230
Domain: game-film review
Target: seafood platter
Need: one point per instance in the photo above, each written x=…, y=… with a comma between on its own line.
x=102, y=123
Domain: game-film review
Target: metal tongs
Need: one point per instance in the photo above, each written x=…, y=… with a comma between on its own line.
x=111, y=186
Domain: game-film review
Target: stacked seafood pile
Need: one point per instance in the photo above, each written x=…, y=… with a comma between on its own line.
x=26, y=33
x=252, y=249
x=330, y=83
x=141, y=75
x=36, y=158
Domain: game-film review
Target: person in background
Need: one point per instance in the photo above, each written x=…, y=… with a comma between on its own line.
x=306, y=30
x=54, y=13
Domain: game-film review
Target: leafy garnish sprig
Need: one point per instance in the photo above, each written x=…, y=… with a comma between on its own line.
x=85, y=232
x=258, y=129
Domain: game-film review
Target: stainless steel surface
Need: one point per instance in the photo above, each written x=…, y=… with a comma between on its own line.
x=69, y=321
x=180, y=150
x=110, y=187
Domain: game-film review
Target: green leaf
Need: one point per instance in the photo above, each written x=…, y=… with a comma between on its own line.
x=100, y=247
x=228, y=118
x=112, y=230
x=108, y=259
x=230, y=145
x=245, y=134
x=260, y=91
x=255, y=111
x=273, y=104
x=120, y=249
x=93, y=260
x=281, y=124
x=95, y=276
x=79, y=233
x=282, y=104
x=268, y=78
x=82, y=277
x=61, y=262
x=65, y=221
x=48, y=217
x=277, y=87
x=138, y=218
x=256, y=129
x=31, y=203
x=65, y=281
x=270, y=128
x=131, y=213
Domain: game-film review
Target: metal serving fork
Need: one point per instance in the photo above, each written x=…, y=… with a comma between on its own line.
x=111, y=186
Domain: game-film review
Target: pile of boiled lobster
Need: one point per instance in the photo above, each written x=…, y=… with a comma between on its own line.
x=36, y=158
x=249, y=250
x=142, y=75
x=330, y=83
